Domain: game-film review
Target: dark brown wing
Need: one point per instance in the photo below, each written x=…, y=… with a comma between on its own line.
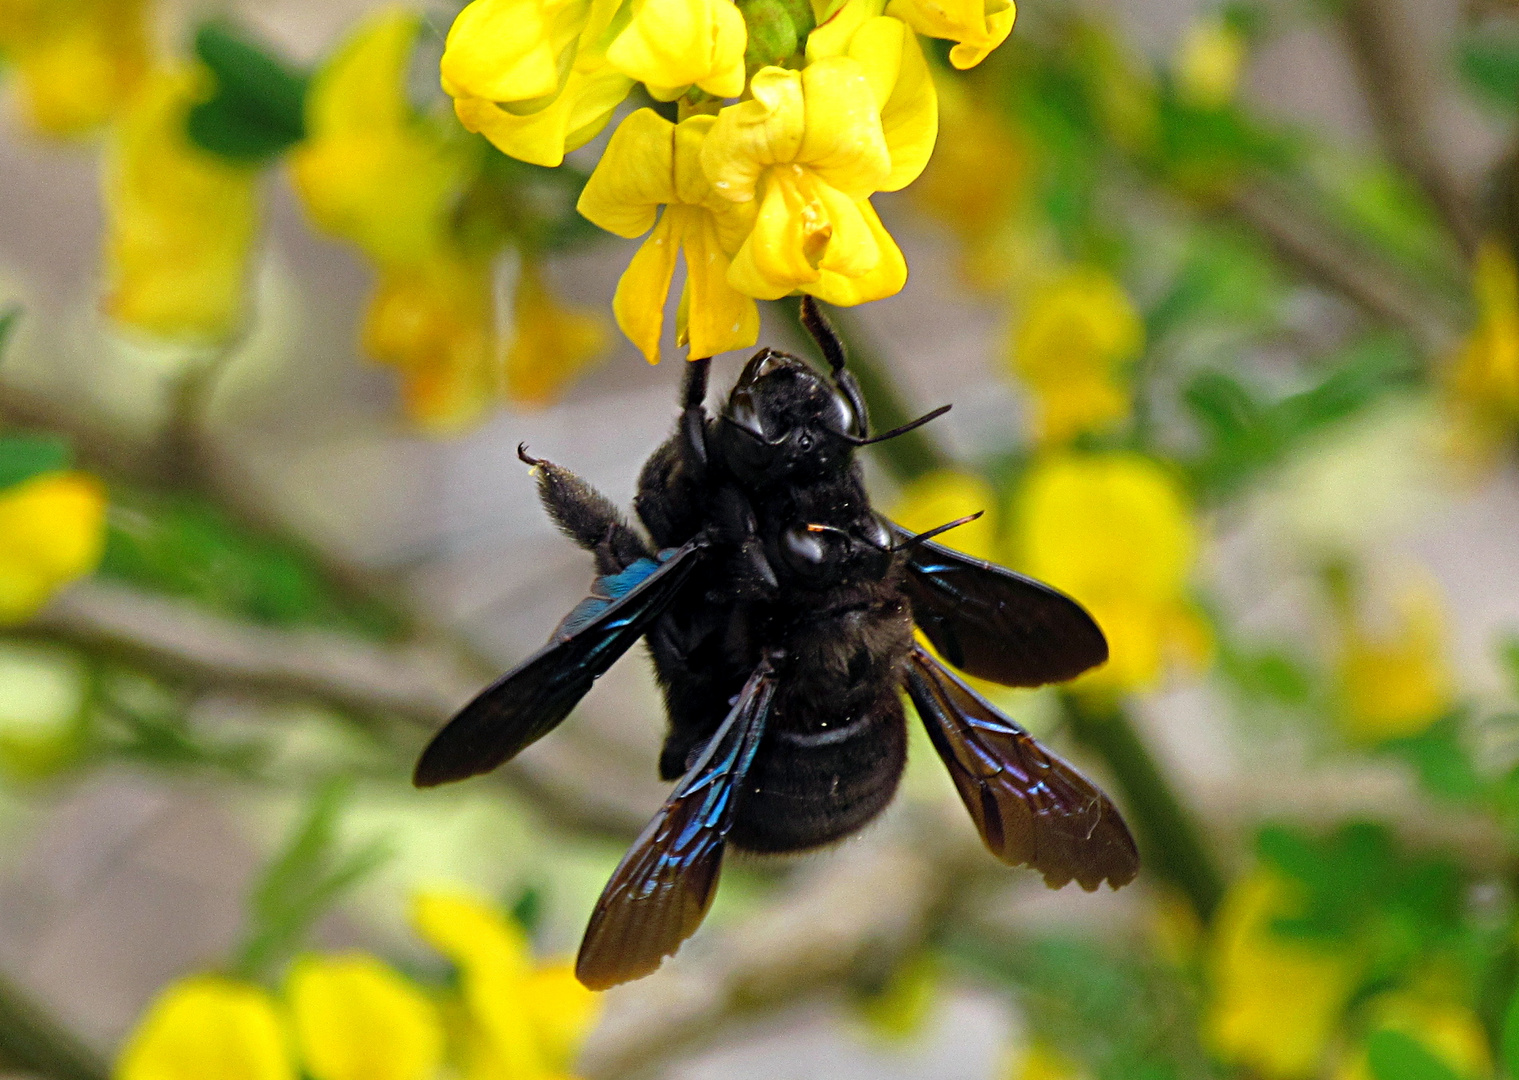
x=1032, y=808
x=529, y=701
x=995, y=624
x=662, y=889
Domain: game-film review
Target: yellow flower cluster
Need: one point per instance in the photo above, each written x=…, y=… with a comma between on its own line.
x=1395, y=684
x=765, y=196
x=1483, y=377
x=352, y=1017
x=390, y=181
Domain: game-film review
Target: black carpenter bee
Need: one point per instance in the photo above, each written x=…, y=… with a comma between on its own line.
x=779, y=609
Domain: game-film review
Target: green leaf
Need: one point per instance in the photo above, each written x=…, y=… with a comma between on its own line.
x=1394, y=1055
x=1443, y=761
x=258, y=109
x=1509, y=1040
x=1488, y=60
x=25, y=456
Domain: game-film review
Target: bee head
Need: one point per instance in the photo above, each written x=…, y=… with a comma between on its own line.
x=784, y=421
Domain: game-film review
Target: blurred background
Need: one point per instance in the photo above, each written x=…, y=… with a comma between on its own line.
x=1225, y=299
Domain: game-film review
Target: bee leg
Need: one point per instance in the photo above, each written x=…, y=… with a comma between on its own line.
x=734, y=523
x=585, y=515
x=832, y=348
x=693, y=418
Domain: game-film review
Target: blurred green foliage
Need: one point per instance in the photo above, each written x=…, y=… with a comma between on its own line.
x=257, y=110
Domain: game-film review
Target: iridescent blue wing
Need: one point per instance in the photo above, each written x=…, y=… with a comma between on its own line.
x=529, y=701
x=995, y=624
x=662, y=889
x=1032, y=808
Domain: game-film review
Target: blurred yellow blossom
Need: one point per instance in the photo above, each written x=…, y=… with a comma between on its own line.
x=810, y=149
x=181, y=221
x=899, y=1009
x=376, y=174
x=532, y=76
x=1483, y=377
x=552, y=343
x=1397, y=684
x=1041, y=1061
x=648, y=163
x=1078, y=333
x=1275, y=1001
x=356, y=1019
x=76, y=62
x=52, y=531
x=978, y=26
x=1210, y=62
x=944, y=495
x=1449, y=1030
x=526, y=1020
x=1115, y=531
x=670, y=45
x=208, y=1028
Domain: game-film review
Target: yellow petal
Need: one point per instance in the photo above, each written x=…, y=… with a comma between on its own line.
x=574, y=118
x=207, y=1028
x=774, y=260
x=904, y=89
x=1276, y=1000
x=181, y=221
x=635, y=175
x=724, y=318
x=978, y=25
x=512, y=50
x=1396, y=684
x=831, y=37
x=52, y=531
x=356, y=1019
x=677, y=43
x=370, y=170
x=434, y=321
x=76, y=64
x=843, y=143
x=885, y=279
x=552, y=344
x=562, y=1012
x=747, y=137
x=639, y=303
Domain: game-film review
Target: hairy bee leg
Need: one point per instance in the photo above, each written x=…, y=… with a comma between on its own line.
x=693, y=417
x=585, y=515
x=832, y=348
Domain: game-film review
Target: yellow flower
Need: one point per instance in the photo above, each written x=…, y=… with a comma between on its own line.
x=208, y=1028
x=1396, y=685
x=1483, y=378
x=52, y=531
x=553, y=343
x=435, y=323
x=979, y=26
x=374, y=173
x=1210, y=62
x=651, y=162
x=1448, y=1029
x=77, y=61
x=527, y=1021
x=1078, y=332
x=669, y=45
x=356, y=1019
x=945, y=495
x=809, y=148
x=1041, y=1061
x=532, y=75
x=181, y=221
x=1115, y=531
x=1275, y=1000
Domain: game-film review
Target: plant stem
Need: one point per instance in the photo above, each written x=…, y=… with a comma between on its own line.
x=1169, y=837
x=907, y=456
x=32, y=1041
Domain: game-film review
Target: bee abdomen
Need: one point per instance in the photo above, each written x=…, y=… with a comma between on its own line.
x=815, y=783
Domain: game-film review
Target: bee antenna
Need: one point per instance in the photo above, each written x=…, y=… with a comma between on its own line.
x=526, y=458
x=925, y=537
x=903, y=430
